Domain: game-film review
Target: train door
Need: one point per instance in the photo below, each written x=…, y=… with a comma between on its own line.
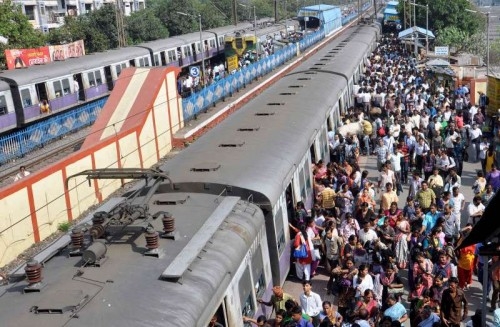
x=194, y=52
x=109, y=77
x=179, y=56
x=163, y=58
x=81, y=89
x=313, y=153
x=132, y=63
x=220, y=315
x=41, y=91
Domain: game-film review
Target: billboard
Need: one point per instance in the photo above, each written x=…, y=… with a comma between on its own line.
x=22, y=58
x=65, y=51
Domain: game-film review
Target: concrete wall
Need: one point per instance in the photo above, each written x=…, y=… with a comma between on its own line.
x=32, y=208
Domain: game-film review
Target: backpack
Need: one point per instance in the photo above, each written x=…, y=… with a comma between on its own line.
x=443, y=271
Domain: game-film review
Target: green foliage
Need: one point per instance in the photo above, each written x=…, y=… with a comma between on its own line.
x=443, y=14
x=64, y=227
x=144, y=26
x=15, y=26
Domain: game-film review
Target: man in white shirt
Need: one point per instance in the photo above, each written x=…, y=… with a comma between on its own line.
x=458, y=204
x=386, y=176
x=476, y=210
x=367, y=234
x=395, y=159
x=475, y=139
x=310, y=302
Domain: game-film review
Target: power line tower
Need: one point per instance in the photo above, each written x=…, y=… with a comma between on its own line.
x=122, y=40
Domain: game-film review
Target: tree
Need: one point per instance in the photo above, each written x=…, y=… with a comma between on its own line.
x=443, y=14
x=16, y=28
x=144, y=26
x=462, y=41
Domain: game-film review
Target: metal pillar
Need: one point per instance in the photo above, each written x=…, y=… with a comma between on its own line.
x=202, y=50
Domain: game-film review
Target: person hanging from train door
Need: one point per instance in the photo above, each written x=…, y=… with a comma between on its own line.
x=45, y=107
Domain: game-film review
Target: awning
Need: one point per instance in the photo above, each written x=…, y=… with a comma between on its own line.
x=410, y=32
x=488, y=227
x=438, y=62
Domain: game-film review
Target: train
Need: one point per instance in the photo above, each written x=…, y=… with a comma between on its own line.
x=392, y=21
x=78, y=80
x=205, y=234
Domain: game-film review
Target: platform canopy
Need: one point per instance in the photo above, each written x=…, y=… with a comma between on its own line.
x=409, y=33
x=438, y=62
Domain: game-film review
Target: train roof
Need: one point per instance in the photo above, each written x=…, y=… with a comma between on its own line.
x=127, y=289
x=180, y=40
x=41, y=73
x=258, y=147
x=4, y=86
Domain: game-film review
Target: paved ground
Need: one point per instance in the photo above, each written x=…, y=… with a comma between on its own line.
x=474, y=294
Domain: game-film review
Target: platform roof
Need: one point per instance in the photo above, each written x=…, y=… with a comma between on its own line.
x=407, y=33
x=390, y=11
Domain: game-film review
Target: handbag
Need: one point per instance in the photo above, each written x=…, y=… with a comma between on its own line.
x=300, y=252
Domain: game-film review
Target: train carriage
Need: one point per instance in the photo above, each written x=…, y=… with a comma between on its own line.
x=232, y=193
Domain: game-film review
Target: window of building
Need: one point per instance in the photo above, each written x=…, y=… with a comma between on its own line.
x=30, y=12
x=26, y=98
x=3, y=105
x=57, y=88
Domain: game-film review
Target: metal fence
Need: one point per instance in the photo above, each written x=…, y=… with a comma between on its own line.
x=201, y=101
x=20, y=143
x=213, y=93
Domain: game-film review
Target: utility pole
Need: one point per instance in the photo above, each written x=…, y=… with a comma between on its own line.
x=122, y=40
x=235, y=14
x=276, y=16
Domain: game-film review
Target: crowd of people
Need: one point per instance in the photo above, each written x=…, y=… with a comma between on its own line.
x=420, y=132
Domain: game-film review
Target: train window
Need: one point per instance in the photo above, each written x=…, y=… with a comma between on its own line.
x=302, y=184
x=258, y=272
x=157, y=60
x=66, y=87
x=245, y=290
x=198, y=50
x=141, y=62
x=57, y=88
x=3, y=105
x=171, y=55
x=212, y=43
x=280, y=231
x=98, y=78
x=118, y=70
x=146, y=62
x=26, y=98
x=91, y=78
x=187, y=51
x=221, y=40
x=308, y=175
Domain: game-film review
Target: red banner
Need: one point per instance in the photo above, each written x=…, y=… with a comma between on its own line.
x=22, y=58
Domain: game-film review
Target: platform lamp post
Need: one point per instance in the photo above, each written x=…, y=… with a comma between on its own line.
x=426, y=24
x=487, y=14
x=254, y=27
x=202, y=47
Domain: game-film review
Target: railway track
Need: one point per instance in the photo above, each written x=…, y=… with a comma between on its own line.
x=44, y=156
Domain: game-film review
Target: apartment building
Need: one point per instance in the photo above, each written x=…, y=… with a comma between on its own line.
x=48, y=14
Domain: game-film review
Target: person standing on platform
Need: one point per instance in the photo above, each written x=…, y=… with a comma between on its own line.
x=310, y=302
x=278, y=299
x=454, y=305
